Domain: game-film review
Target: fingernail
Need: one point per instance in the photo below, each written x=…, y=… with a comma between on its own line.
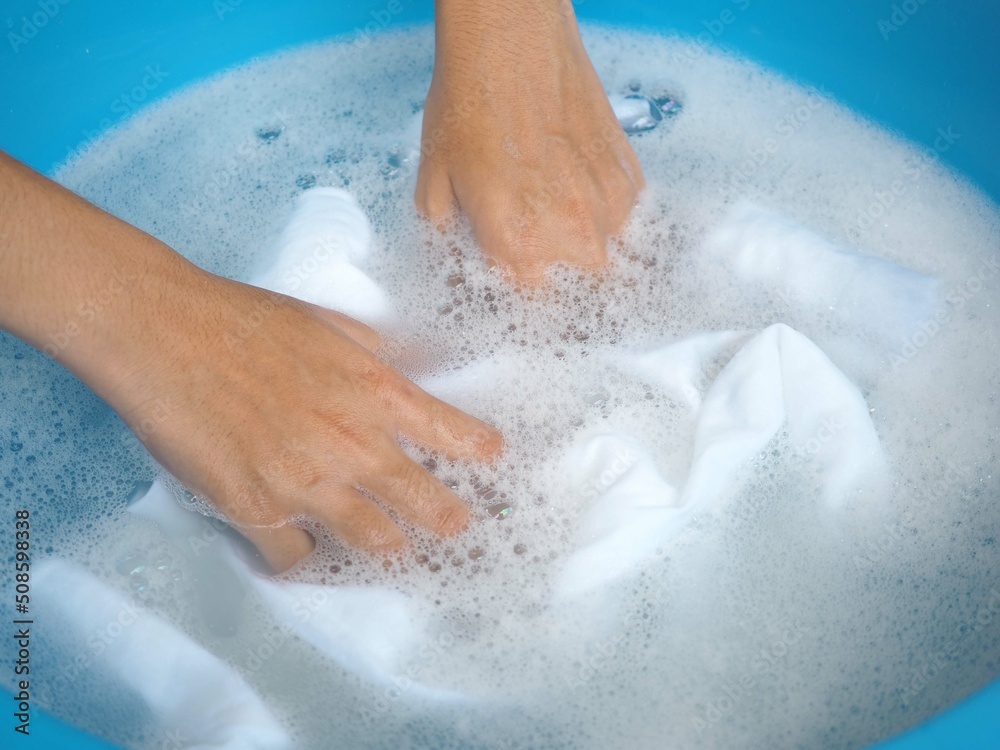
x=456, y=521
x=489, y=441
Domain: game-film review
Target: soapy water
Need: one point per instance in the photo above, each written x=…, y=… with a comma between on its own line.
x=768, y=623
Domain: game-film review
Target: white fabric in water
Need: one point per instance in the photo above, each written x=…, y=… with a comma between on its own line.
x=880, y=303
x=321, y=254
x=777, y=379
x=372, y=632
x=738, y=391
x=874, y=294
x=194, y=695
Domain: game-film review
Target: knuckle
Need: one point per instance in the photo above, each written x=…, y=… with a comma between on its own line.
x=354, y=438
x=383, y=536
x=382, y=383
x=440, y=417
x=450, y=516
x=414, y=486
x=486, y=440
x=516, y=242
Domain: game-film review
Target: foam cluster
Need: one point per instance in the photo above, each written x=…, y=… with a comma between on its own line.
x=768, y=622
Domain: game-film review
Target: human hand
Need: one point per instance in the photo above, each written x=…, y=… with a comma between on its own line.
x=519, y=133
x=267, y=406
x=279, y=409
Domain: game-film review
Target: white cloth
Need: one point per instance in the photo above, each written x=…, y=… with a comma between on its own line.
x=372, y=632
x=320, y=257
x=195, y=697
x=777, y=378
x=773, y=381
x=871, y=294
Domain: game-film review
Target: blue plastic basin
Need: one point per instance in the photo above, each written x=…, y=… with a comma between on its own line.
x=71, y=68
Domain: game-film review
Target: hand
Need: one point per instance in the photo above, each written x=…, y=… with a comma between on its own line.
x=518, y=131
x=268, y=407
x=276, y=408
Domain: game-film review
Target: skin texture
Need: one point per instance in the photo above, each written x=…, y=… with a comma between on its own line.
x=267, y=406
x=519, y=133
x=271, y=408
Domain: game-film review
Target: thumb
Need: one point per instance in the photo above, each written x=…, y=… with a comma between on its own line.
x=434, y=196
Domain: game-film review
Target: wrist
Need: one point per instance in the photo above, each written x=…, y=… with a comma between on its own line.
x=117, y=332
x=74, y=280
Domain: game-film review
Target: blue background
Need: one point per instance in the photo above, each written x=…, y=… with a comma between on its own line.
x=939, y=69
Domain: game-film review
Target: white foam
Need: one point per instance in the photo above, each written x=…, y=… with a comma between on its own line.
x=771, y=623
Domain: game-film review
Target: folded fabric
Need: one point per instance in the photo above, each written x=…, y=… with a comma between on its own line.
x=738, y=393
x=374, y=633
x=777, y=379
x=321, y=254
x=194, y=695
x=868, y=294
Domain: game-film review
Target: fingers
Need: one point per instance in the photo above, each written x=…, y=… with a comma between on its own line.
x=357, y=520
x=418, y=495
x=437, y=425
x=352, y=517
x=362, y=334
x=434, y=196
x=281, y=546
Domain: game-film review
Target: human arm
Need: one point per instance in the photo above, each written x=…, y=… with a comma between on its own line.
x=519, y=133
x=267, y=406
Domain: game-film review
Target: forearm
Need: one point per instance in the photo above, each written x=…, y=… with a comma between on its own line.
x=494, y=35
x=72, y=276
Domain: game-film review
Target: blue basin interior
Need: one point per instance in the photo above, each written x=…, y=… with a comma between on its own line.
x=71, y=69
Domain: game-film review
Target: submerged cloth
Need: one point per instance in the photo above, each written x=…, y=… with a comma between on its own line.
x=322, y=251
x=776, y=379
x=196, y=698
x=771, y=381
